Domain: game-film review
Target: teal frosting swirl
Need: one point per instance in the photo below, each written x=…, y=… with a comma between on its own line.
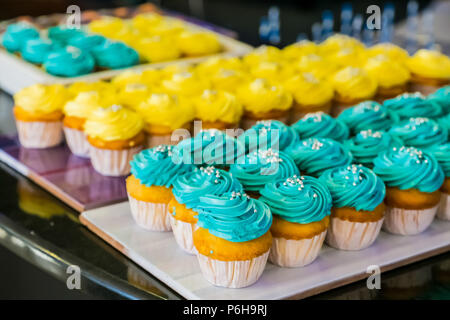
x=69, y=62
x=419, y=132
x=409, y=168
x=156, y=167
x=234, y=216
x=87, y=42
x=315, y=155
x=321, y=125
x=189, y=187
x=209, y=147
x=262, y=167
x=37, y=50
x=366, y=145
x=115, y=55
x=269, y=134
x=62, y=34
x=354, y=186
x=442, y=155
x=298, y=199
x=409, y=105
x=367, y=115
x=442, y=97
x=17, y=34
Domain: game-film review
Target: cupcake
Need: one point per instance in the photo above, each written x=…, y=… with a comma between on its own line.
x=274, y=72
x=338, y=42
x=358, y=209
x=163, y=114
x=115, y=135
x=410, y=105
x=185, y=84
x=367, y=144
x=37, y=50
x=198, y=43
x=17, y=34
x=262, y=167
x=114, y=55
x=38, y=115
x=218, y=110
x=442, y=97
x=69, y=62
x=315, y=155
x=300, y=206
x=368, y=115
x=153, y=173
x=429, y=69
x=213, y=65
x=412, y=178
x=158, y=49
x=310, y=95
x=233, y=239
x=187, y=190
x=419, y=132
x=351, y=86
x=228, y=80
x=321, y=125
x=442, y=154
x=294, y=51
x=107, y=26
x=263, y=101
x=262, y=54
x=321, y=67
x=392, y=51
x=62, y=34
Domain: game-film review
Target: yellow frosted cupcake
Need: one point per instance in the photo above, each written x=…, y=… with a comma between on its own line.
x=296, y=50
x=157, y=49
x=185, y=84
x=429, y=69
x=338, y=42
x=391, y=50
x=228, y=79
x=163, y=114
x=319, y=66
x=38, y=114
x=167, y=27
x=213, y=65
x=263, y=101
x=132, y=95
x=345, y=57
x=310, y=95
x=351, y=86
x=107, y=26
x=262, y=54
x=198, y=43
x=218, y=110
x=115, y=135
x=275, y=72
x=144, y=22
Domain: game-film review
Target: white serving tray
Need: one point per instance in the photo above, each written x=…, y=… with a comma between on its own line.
x=158, y=253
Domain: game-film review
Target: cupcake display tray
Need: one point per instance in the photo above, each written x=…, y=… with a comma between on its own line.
x=158, y=253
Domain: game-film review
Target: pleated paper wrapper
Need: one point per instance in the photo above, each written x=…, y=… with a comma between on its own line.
x=348, y=235
x=444, y=207
x=77, y=142
x=232, y=274
x=39, y=134
x=408, y=222
x=295, y=253
x=183, y=232
x=149, y=215
x=112, y=162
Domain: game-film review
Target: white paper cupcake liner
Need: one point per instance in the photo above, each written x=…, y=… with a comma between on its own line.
x=183, y=232
x=112, y=162
x=149, y=215
x=444, y=207
x=39, y=134
x=408, y=222
x=348, y=235
x=232, y=274
x=77, y=142
x=295, y=253
x=247, y=123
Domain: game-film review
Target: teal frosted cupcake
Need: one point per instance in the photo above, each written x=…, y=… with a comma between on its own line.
x=262, y=167
x=69, y=62
x=410, y=105
x=62, y=34
x=37, y=50
x=358, y=209
x=87, y=42
x=115, y=55
x=367, y=115
x=17, y=34
x=442, y=97
x=301, y=207
x=442, y=155
x=412, y=178
x=153, y=173
x=321, y=125
x=188, y=190
x=419, y=132
x=315, y=155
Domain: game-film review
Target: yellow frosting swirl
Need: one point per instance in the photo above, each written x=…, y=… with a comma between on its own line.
x=107, y=26
x=132, y=94
x=198, y=43
x=386, y=72
x=104, y=88
x=170, y=70
x=320, y=67
x=228, y=80
x=273, y=71
x=338, y=42
x=41, y=99
x=185, y=83
x=157, y=48
x=430, y=64
x=83, y=104
x=309, y=90
x=168, y=110
x=212, y=65
x=263, y=53
x=354, y=83
x=259, y=96
x=143, y=22
x=113, y=123
x=126, y=77
x=167, y=27
x=298, y=49
x=391, y=50
x=218, y=106
x=347, y=56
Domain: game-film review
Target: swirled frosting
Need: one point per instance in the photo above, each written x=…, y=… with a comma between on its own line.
x=315, y=155
x=262, y=54
x=132, y=95
x=198, y=43
x=41, y=99
x=115, y=55
x=391, y=50
x=429, y=64
x=212, y=65
x=354, y=83
x=262, y=167
x=62, y=34
x=155, y=167
x=321, y=125
x=36, y=50
x=189, y=187
x=413, y=105
x=228, y=79
x=267, y=134
x=234, y=216
x=83, y=104
x=386, y=72
x=69, y=62
x=157, y=49
x=185, y=83
x=308, y=90
x=298, y=49
x=338, y=42
x=368, y=115
x=113, y=123
x=298, y=199
x=409, y=168
x=321, y=67
x=442, y=154
x=107, y=26
x=367, y=144
x=354, y=186
x=259, y=96
x=214, y=105
x=87, y=42
x=17, y=34
x=442, y=97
